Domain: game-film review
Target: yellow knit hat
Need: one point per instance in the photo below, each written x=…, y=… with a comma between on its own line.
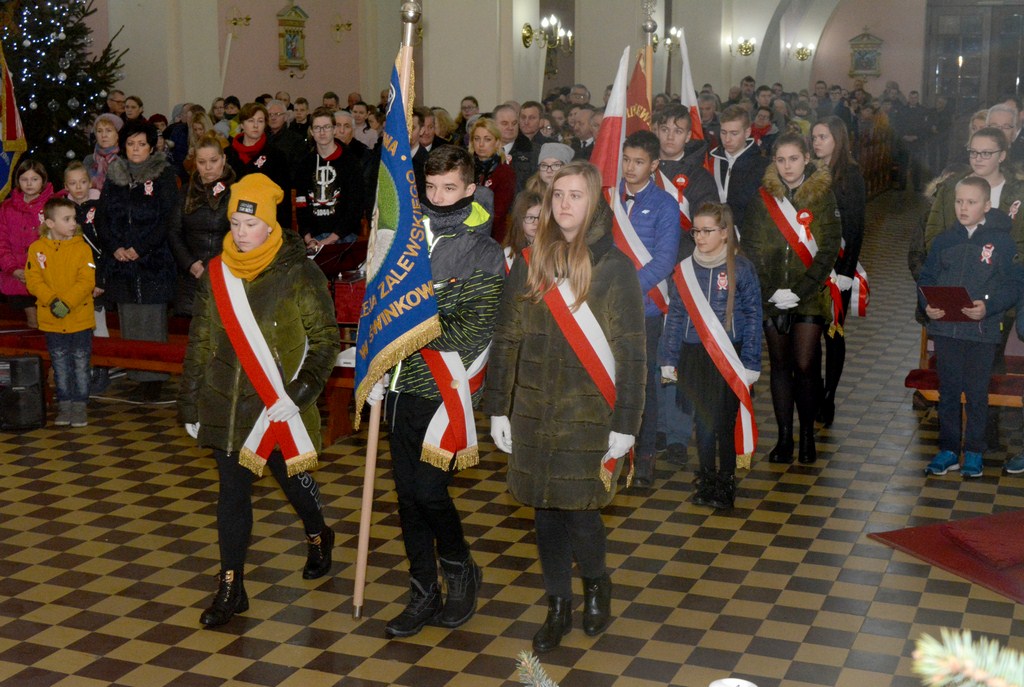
x=256, y=195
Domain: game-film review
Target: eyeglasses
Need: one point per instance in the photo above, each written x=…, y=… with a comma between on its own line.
x=547, y=127
x=321, y=129
x=982, y=154
x=1004, y=127
x=531, y=219
x=553, y=167
x=707, y=232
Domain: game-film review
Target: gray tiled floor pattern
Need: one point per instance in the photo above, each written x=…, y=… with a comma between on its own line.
x=108, y=554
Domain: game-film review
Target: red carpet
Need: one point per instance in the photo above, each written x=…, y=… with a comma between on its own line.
x=987, y=550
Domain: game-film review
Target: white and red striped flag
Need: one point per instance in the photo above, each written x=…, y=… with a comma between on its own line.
x=688, y=92
x=607, y=155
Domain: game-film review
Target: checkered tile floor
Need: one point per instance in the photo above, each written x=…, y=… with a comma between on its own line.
x=108, y=554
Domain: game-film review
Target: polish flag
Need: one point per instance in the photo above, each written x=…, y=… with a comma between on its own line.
x=607, y=155
x=687, y=92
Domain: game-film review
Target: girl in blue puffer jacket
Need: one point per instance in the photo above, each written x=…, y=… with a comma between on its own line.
x=724, y=285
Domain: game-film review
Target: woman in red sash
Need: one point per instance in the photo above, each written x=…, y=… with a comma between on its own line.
x=262, y=344
x=565, y=383
x=791, y=233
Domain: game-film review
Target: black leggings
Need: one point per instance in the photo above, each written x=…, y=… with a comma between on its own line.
x=795, y=359
x=566, y=534
x=234, y=504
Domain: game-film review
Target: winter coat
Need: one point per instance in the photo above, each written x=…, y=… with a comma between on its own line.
x=943, y=212
x=62, y=269
x=778, y=267
x=851, y=201
x=746, y=313
x=744, y=179
x=137, y=212
x=655, y=218
x=198, y=230
x=502, y=182
x=19, y=227
x=986, y=264
x=560, y=421
x=290, y=301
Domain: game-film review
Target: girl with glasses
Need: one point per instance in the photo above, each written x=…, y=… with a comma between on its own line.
x=523, y=227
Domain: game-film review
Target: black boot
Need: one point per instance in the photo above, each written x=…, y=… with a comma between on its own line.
x=462, y=578
x=556, y=625
x=827, y=408
x=597, y=604
x=644, y=476
x=702, y=487
x=808, y=452
x=424, y=606
x=783, y=451
x=230, y=599
x=724, y=491
x=318, y=557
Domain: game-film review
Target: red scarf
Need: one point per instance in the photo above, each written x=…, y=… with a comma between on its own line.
x=759, y=133
x=247, y=153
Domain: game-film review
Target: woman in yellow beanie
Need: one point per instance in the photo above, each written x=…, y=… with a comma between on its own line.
x=262, y=344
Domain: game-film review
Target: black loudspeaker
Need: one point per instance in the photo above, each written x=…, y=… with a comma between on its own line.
x=22, y=401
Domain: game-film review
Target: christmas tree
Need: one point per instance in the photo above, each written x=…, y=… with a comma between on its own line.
x=60, y=87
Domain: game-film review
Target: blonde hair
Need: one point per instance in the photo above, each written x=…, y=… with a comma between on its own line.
x=198, y=118
x=552, y=257
x=722, y=215
x=492, y=129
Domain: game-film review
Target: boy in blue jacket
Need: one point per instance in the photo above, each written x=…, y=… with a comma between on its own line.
x=978, y=253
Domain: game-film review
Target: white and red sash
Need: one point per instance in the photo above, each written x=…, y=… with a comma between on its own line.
x=260, y=367
x=509, y=257
x=795, y=227
x=860, y=293
x=628, y=241
x=588, y=341
x=677, y=189
x=716, y=341
x=452, y=431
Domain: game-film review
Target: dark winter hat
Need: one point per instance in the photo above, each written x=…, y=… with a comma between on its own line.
x=158, y=119
x=232, y=100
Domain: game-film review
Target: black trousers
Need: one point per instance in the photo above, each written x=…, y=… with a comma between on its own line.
x=645, y=443
x=713, y=404
x=563, y=535
x=425, y=508
x=234, y=504
x=964, y=367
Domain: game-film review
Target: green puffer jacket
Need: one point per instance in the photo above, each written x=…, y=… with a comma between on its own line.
x=560, y=421
x=943, y=212
x=778, y=267
x=291, y=302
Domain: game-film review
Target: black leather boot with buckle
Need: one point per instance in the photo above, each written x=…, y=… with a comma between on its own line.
x=229, y=600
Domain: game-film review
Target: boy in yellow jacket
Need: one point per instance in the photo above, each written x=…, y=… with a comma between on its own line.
x=61, y=274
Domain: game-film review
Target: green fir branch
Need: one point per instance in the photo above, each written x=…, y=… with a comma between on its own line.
x=958, y=661
x=531, y=672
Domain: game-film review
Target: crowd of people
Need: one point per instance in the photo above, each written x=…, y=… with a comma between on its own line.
x=598, y=329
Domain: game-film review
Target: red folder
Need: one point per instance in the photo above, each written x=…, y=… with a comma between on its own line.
x=951, y=299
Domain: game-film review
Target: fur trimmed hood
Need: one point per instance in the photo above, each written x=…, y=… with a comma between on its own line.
x=149, y=170
x=817, y=183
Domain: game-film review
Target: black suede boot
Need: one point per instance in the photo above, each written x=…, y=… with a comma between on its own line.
x=783, y=451
x=229, y=600
x=424, y=605
x=556, y=625
x=462, y=579
x=318, y=557
x=597, y=604
x=808, y=451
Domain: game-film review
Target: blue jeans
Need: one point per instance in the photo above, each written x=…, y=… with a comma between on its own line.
x=674, y=422
x=964, y=367
x=69, y=355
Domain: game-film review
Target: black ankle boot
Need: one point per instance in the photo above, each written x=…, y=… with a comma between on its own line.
x=723, y=493
x=229, y=600
x=597, y=604
x=644, y=476
x=702, y=487
x=318, y=557
x=827, y=408
x=424, y=605
x=808, y=452
x=783, y=451
x=556, y=625
x=462, y=578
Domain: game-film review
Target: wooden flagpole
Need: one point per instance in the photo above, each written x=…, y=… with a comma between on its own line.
x=410, y=17
x=649, y=28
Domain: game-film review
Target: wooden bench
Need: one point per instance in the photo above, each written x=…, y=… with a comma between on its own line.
x=1005, y=389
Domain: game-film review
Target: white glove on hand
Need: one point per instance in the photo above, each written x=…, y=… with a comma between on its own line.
x=669, y=372
x=619, y=444
x=843, y=282
x=751, y=376
x=376, y=394
x=193, y=429
x=501, y=432
x=282, y=411
x=784, y=299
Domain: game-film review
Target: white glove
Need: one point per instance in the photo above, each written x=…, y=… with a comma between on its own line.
x=751, y=376
x=376, y=394
x=784, y=299
x=619, y=444
x=501, y=432
x=843, y=282
x=282, y=411
x=669, y=372
x=193, y=429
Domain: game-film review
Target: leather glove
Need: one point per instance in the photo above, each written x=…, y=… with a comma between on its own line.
x=193, y=429
x=282, y=411
x=843, y=282
x=669, y=372
x=784, y=299
x=501, y=432
x=376, y=394
x=619, y=444
x=59, y=308
x=751, y=376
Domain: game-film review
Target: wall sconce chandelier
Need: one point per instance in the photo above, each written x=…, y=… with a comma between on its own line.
x=550, y=35
x=237, y=19
x=338, y=26
x=802, y=52
x=672, y=40
x=745, y=47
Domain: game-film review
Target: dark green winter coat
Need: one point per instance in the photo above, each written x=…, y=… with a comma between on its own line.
x=292, y=305
x=778, y=267
x=560, y=421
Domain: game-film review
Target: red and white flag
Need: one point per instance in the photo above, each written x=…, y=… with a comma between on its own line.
x=607, y=155
x=688, y=92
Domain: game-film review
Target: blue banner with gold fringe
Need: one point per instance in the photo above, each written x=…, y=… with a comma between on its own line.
x=13, y=134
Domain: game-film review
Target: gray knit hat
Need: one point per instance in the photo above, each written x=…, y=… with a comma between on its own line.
x=559, y=151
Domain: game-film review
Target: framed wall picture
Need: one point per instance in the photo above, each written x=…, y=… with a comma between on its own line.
x=291, y=32
x=865, y=55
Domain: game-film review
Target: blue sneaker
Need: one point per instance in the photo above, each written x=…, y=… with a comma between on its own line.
x=942, y=463
x=1015, y=465
x=972, y=464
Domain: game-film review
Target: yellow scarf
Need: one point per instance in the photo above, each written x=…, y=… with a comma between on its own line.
x=250, y=264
